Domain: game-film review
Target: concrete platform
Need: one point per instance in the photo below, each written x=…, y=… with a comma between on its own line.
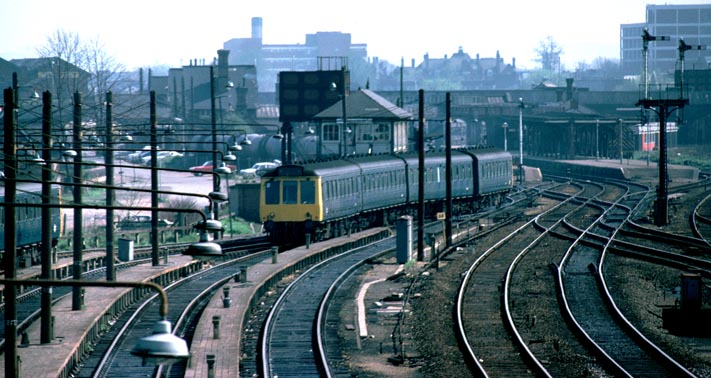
x=635, y=170
x=640, y=169
x=74, y=329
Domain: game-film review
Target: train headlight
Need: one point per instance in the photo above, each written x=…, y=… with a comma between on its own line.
x=308, y=216
x=271, y=215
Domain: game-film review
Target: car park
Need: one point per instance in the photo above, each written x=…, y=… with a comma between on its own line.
x=137, y=157
x=259, y=169
x=164, y=157
x=207, y=167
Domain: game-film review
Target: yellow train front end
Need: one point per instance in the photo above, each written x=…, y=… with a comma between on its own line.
x=291, y=204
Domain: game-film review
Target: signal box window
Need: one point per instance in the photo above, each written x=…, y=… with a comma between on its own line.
x=308, y=192
x=330, y=132
x=289, y=192
x=271, y=193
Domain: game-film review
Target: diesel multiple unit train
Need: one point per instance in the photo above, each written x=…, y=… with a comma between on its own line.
x=28, y=222
x=328, y=199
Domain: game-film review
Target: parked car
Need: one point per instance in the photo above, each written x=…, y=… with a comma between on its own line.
x=259, y=169
x=137, y=157
x=140, y=221
x=208, y=167
x=164, y=157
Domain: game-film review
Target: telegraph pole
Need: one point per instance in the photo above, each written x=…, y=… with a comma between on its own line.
x=109, y=160
x=77, y=297
x=155, y=256
x=10, y=293
x=46, y=273
x=448, y=170
x=421, y=179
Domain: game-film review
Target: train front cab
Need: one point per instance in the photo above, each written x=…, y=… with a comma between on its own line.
x=290, y=204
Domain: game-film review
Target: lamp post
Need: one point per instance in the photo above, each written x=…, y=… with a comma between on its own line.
x=344, y=94
x=46, y=297
x=597, y=140
x=520, y=139
x=213, y=122
x=77, y=243
x=109, y=160
x=10, y=293
x=155, y=256
x=344, y=109
x=506, y=129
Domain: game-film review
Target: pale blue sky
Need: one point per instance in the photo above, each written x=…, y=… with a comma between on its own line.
x=160, y=32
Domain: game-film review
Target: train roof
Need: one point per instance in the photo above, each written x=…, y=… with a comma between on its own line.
x=348, y=165
x=312, y=169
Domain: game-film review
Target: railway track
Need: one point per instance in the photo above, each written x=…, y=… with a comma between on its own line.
x=484, y=322
x=287, y=347
x=589, y=305
x=506, y=312
x=701, y=220
x=589, y=218
x=111, y=356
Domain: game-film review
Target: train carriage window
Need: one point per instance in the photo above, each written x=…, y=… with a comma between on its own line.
x=289, y=192
x=271, y=193
x=308, y=192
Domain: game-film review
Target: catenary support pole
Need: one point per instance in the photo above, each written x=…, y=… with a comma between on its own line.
x=77, y=263
x=421, y=178
x=46, y=269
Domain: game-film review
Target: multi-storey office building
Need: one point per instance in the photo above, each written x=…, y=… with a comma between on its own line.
x=692, y=23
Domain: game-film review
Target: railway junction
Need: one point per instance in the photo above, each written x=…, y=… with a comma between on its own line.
x=376, y=354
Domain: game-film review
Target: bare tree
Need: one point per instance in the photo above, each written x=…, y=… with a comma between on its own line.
x=64, y=55
x=549, y=54
x=75, y=66
x=105, y=73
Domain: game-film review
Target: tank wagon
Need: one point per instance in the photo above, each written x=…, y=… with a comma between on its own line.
x=332, y=198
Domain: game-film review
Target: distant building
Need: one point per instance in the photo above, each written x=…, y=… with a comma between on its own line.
x=36, y=75
x=466, y=73
x=187, y=89
x=272, y=59
x=690, y=22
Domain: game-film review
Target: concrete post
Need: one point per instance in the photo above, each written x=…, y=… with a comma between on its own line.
x=211, y=366
x=226, y=300
x=216, y=327
x=275, y=255
x=243, y=273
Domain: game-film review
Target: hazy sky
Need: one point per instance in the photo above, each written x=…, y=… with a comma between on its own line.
x=159, y=32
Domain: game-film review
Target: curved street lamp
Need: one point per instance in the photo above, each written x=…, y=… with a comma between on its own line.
x=161, y=345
